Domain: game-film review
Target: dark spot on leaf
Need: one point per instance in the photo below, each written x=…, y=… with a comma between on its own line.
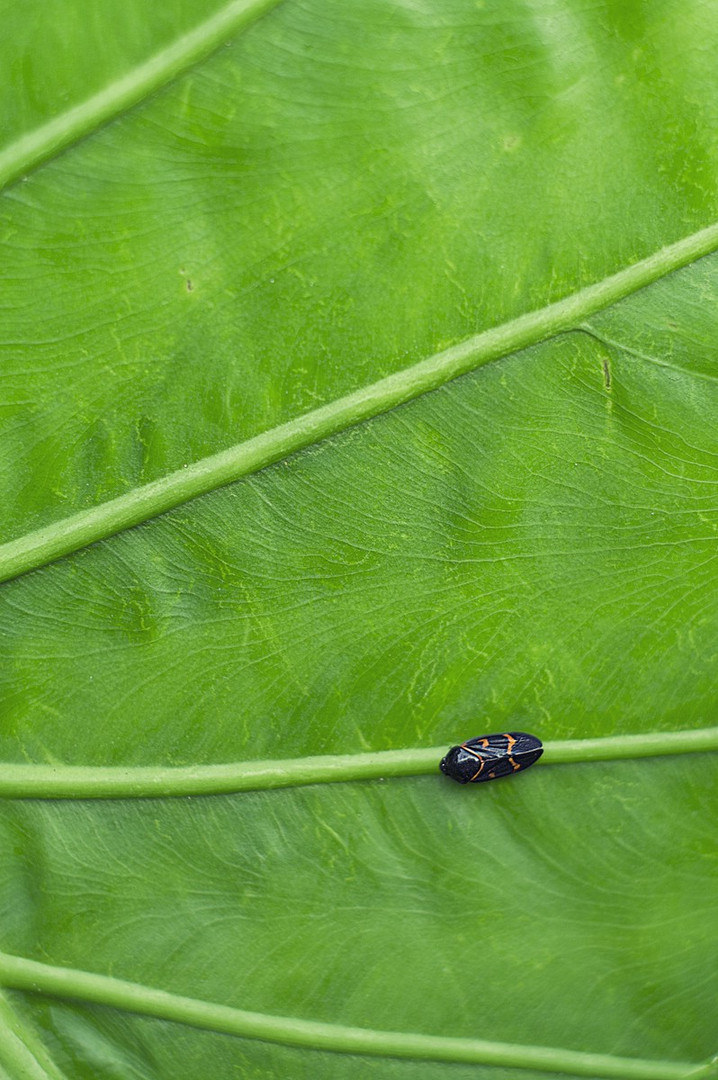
x=606, y=373
x=189, y=285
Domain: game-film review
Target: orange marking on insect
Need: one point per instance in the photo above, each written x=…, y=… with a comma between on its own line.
x=479, y=770
x=511, y=741
x=470, y=750
x=515, y=764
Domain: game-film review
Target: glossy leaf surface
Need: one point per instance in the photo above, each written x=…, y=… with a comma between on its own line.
x=341, y=192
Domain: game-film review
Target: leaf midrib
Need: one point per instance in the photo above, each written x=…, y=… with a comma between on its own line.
x=141, y=504
x=29, y=975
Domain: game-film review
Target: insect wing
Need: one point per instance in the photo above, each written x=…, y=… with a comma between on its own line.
x=489, y=757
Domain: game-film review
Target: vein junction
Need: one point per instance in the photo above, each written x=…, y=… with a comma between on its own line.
x=141, y=504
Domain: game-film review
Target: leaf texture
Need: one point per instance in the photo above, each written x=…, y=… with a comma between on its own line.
x=340, y=192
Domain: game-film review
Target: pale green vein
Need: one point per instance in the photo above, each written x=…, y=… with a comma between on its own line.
x=708, y=1071
x=29, y=975
x=143, y=503
x=29, y=151
x=38, y=548
x=22, y=781
x=21, y=1051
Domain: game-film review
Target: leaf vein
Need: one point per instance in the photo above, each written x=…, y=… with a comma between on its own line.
x=29, y=975
x=53, y=781
x=37, y=146
x=143, y=503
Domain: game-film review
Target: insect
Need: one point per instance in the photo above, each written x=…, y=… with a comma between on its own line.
x=490, y=756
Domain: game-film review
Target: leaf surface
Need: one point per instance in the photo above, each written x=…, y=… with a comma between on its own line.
x=341, y=192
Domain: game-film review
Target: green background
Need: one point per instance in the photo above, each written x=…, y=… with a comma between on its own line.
x=341, y=191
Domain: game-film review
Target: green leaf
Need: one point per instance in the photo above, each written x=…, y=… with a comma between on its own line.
x=358, y=396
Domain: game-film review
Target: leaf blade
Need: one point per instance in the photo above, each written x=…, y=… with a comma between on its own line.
x=337, y=196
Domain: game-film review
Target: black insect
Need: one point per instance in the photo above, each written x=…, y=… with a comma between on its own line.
x=490, y=756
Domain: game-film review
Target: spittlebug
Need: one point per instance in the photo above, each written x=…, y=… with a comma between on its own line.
x=490, y=756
